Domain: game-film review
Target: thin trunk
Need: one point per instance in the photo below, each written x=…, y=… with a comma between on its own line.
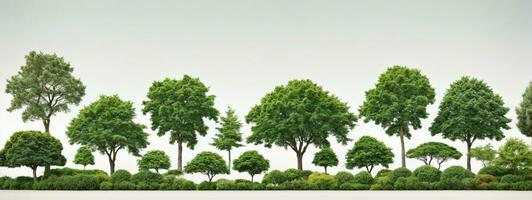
x=401, y=135
x=111, y=163
x=468, y=156
x=439, y=165
x=229, y=163
x=157, y=170
x=252, y=177
x=84, y=167
x=179, y=156
x=325, y=169
x=34, y=169
x=299, y=160
x=46, y=123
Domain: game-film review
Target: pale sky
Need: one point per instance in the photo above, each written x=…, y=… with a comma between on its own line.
x=243, y=49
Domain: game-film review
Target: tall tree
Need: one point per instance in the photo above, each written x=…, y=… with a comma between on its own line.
x=470, y=111
x=297, y=115
x=524, y=112
x=325, y=158
x=107, y=126
x=398, y=101
x=368, y=152
x=32, y=149
x=229, y=135
x=84, y=156
x=437, y=151
x=155, y=159
x=251, y=162
x=208, y=163
x=179, y=107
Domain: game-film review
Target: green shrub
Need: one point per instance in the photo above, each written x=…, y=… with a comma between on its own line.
x=398, y=173
x=295, y=185
x=183, y=184
x=274, y=177
x=205, y=185
x=106, y=185
x=525, y=185
x=383, y=172
x=496, y=171
x=76, y=182
x=456, y=172
x=449, y=184
x=409, y=183
x=485, y=178
x=344, y=177
x=146, y=176
x=4, y=182
x=120, y=176
x=427, y=173
x=126, y=185
x=294, y=174
x=363, y=178
x=322, y=181
x=71, y=172
x=382, y=183
x=174, y=172
x=470, y=183
x=510, y=178
x=354, y=186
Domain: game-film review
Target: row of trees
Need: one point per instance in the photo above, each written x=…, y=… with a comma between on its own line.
x=296, y=115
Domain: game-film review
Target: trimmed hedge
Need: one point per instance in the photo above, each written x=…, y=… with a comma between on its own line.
x=427, y=173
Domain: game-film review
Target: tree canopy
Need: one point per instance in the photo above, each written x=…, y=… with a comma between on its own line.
x=368, y=152
x=298, y=114
x=429, y=151
x=515, y=155
x=524, y=112
x=399, y=100
x=107, y=126
x=485, y=154
x=229, y=135
x=84, y=156
x=155, y=159
x=470, y=111
x=179, y=107
x=32, y=149
x=251, y=162
x=208, y=163
x=325, y=158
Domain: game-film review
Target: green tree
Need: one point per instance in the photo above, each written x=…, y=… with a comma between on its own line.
x=208, y=163
x=179, y=107
x=84, y=156
x=399, y=100
x=429, y=151
x=32, y=149
x=229, y=135
x=251, y=162
x=368, y=152
x=325, y=158
x=524, y=112
x=297, y=115
x=515, y=155
x=155, y=159
x=107, y=126
x=470, y=111
x=485, y=154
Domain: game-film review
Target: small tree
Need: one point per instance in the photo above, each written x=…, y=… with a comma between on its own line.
x=32, y=149
x=368, y=152
x=229, y=135
x=485, y=154
x=440, y=152
x=84, y=156
x=155, y=159
x=515, y=155
x=325, y=158
x=208, y=163
x=251, y=162
x=524, y=112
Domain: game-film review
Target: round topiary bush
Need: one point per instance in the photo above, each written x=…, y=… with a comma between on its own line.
x=485, y=178
x=408, y=183
x=120, y=176
x=363, y=178
x=496, y=171
x=398, y=173
x=126, y=185
x=205, y=185
x=427, y=173
x=322, y=181
x=274, y=177
x=383, y=172
x=469, y=183
x=456, y=172
x=344, y=177
x=106, y=185
x=146, y=176
x=183, y=184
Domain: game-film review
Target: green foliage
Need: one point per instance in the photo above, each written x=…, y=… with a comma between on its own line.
x=145, y=176
x=120, y=175
x=524, y=112
x=449, y=184
x=251, y=162
x=429, y=151
x=186, y=98
x=32, y=149
x=485, y=178
x=295, y=174
x=183, y=184
x=510, y=178
x=382, y=183
x=456, y=172
x=233, y=185
x=297, y=115
x=427, y=173
x=409, y=183
x=398, y=173
x=274, y=177
x=368, y=152
x=470, y=111
x=322, y=181
x=44, y=86
x=126, y=185
x=174, y=172
x=494, y=170
x=106, y=185
x=107, y=126
x=325, y=158
x=515, y=155
x=84, y=156
x=207, y=163
x=206, y=185
x=354, y=186
x=363, y=178
x=155, y=159
x=383, y=172
x=229, y=135
x=485, y=154
x=344, y=177
x=470, y=183
x=71, y=172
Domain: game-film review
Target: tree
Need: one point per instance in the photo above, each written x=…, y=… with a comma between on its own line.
x=297, y=115
x=208, y=163
x=515, y=155
x=485, y=154
x=155, y=159
x=178, y=107
x=368, y=152
x=107, y=126
x=524, y=112
x=325, y=158
x=251, y=162
x=84, y=156
x=229, y=135
x=399, y=100
x=427, y=152
x=32, y=149
x=470, y=111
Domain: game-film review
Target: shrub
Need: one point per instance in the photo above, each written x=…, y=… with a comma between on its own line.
x=106, y=185
x=294, y=174
x=427, y=173
x=398, y=173
x=469, y=183
x=382, y=183
x=525, y=185
x=295, y=185
x=344, y=177
x=174, y=172
x=120, y=176
x=274, y=177
x=509, y=178
x=126, y=185
x=485, y=178
x=146, y=176
x=449, y=184
x=496, y=171
x=76, y=182
x=383, y=172
x=363, y=178
x=183, y=184
x=205, y=185
x=354, y=186
x=322, y=181
x=409, y=183
x=456, y=172
x=71, y=172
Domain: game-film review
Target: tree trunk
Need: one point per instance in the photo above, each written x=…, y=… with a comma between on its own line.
x=252, y=177
x=34, y=169
x=157, y=170
x=179, y=156
x=299, y=160
x=325, y=169
x=468, y=156
x=401, y=136
x=46, y=123
x=84, y=167
x=229, y=163
x=111, y=165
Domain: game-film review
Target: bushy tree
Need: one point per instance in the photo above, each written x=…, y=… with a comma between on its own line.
x=325, y=158
x=368, y=152
x=208, y=163
x=84, y=156
x=470, y=111
x=429, y=151
x=398, y=101
x=107, y=126
x=155, y=159
x=251, y=162
x=179, y=107
x=229, y=135
x=32, y=149
x=485, y=154
x=298, y=114
x=524, y=112
x=515, y=155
